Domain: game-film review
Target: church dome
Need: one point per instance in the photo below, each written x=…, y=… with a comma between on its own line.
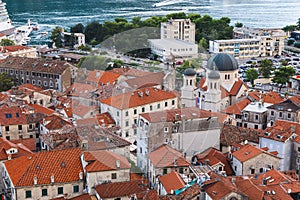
x=222, y=62
x=189, y=72
x=213, y=75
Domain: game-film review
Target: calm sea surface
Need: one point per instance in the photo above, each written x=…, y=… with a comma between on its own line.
x=66, y=13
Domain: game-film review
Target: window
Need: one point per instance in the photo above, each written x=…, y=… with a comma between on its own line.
x=280, y=114
x=173, y=102
x=166, y=104
x=181, y=170
x=19, y=127
x=245, y=125
x=8, y=115
x=17, y=115
x=255, y=126
x=272, y=113
x=28, y=194
x=143, y=109
x=127, y=123
x=158, y=106
x=113, y=175
x=289, y=115
x=166, y=129
x=126, y=113
x=261, y=170
x=252, y=171
x=44, y=192
x=151, y=108
x=165, y=171
x=118, y=113
x=76, y=188
x=135, y=111
x=298, y=149
x=6, y=128
x=60, y=190
x=256, y=117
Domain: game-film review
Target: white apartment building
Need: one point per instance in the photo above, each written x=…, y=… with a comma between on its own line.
x=249, y=43
x=239, y=48
x=182, y=29
x=125, y=108
x=180, y=49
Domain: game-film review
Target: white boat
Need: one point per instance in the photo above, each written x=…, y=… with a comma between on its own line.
x=5, y=22
x=44, y=33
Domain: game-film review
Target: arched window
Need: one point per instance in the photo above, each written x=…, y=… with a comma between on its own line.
x=215, y=85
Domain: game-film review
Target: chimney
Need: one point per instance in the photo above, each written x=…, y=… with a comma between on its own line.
x=35, y=180
x=52, y=178
x=147, y=92
x=80, y=175
x=118, y=164
x=175, y=162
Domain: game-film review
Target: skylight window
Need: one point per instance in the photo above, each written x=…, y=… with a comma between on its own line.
x=8, y=115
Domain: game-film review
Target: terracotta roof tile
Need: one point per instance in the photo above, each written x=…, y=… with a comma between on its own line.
x=164, y=156
x=236, y=87
x=145, y=81
x=214, y=157
x=237, y=108
x=172, y=181
x=5, y=49
x=248, y=152
x=55, y=122
x=103, y=160
x=267, y=97
x=29, y=143
x=123, y=189
x=132, y=99
x=41, y=109
x=12, y=115
x=64, y=165
x=79, y=197
x=6, y=145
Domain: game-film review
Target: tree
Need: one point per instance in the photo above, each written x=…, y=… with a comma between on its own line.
x=239, y=25
x=7, y=42
x=5, y=82
x=56, y=36
x=289, y=28
x=84, y=48
x=298, y=23
x=266, y=66
x=203, y=45
x=78, y=28
x=282, y=75
x=252, y=74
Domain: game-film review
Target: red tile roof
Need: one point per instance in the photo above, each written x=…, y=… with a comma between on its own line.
x=5, y=49
x=281, y=130
x=146, y=81
x=236, y=109
x=28, y=86
x=172, y=181
x=28, y=142
x=6, y=145
x=41, y=109
x=102, y=77
x=248, y=152
x=133, y=99
x=12, y=115
x=103, y=160
x=269, y=97
x=64, y=165
x=214, y=157
x=79, y=197
x=82, y=110
x=236, y=87
x=124, y=189
x=165, y=156
x=55, y=122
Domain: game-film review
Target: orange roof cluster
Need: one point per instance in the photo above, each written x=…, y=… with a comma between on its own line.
x=102, y=77
x=63, y=165
x=281, y=130
x=138, y=98
x=79, y=197
x=9, y=49
x=172, y=181
x=103, y=160
x=6, y=145
x=35, y=64
x=232, y=134
x=12, y=115
x=248, y=152
x=55, y=122
x=237, y=108
x=41, y=109
x=146, y=81
x=126, y=189
x=214, y=157
x=269, y=97
x=103, y=120
x=165, y=156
